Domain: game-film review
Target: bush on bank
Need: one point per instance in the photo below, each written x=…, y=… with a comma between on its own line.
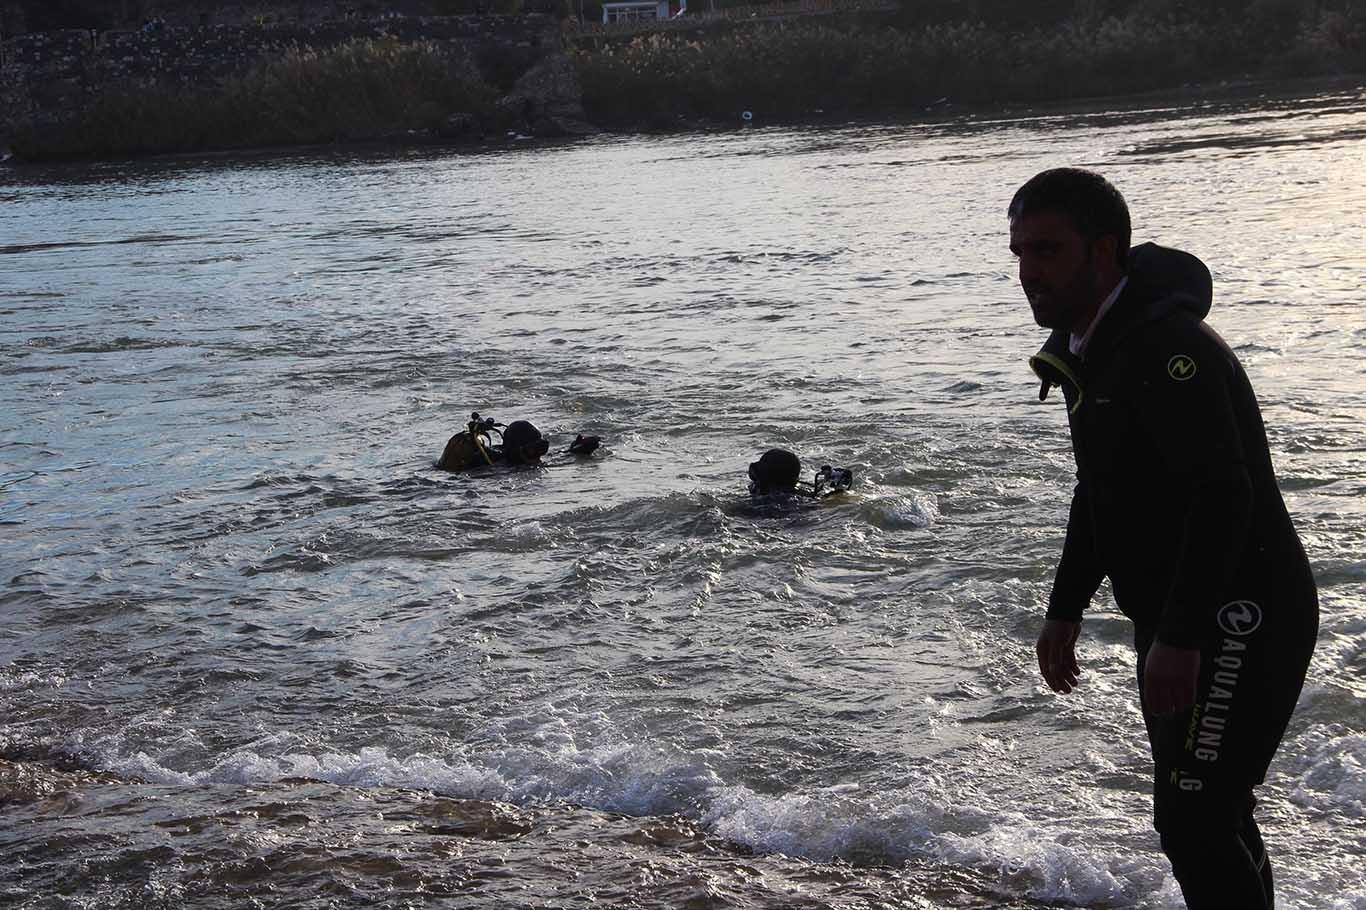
x=797, y=66
x=359, y=90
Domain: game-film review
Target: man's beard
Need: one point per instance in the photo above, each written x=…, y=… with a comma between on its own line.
x=1062, y=307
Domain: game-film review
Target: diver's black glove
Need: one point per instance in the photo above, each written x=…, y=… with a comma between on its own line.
x=584, y=445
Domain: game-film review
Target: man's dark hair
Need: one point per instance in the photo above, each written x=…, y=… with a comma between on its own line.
x=1091, y=201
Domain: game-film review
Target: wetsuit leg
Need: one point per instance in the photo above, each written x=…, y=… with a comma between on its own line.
x=1208, y=759
x=1219, y=861
x=1252, y=838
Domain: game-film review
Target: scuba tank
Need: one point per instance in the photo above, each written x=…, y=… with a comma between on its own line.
x=519, y=443
x=472, y=446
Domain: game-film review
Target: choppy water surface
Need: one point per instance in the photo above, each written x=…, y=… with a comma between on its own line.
x=255, y=652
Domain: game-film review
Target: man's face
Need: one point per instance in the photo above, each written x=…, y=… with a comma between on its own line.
x=1057, y=269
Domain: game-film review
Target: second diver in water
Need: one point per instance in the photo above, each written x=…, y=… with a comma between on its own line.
x=520, y=443
x=778, y=472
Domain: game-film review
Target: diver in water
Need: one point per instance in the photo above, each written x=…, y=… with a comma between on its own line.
x=778, y=472
x=520, y=443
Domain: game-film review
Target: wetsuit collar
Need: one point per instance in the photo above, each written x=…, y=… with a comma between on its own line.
x=1160, y=281
x=1077, y=343
x=1056, y=365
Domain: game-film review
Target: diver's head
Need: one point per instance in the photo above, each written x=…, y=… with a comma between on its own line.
x=523, y=443
x=777, y=470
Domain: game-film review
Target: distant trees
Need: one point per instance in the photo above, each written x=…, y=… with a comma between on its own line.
x=364, y=89
x=48, y=15
x=1271, y=14
x=1095, y=48
x=1272, y=17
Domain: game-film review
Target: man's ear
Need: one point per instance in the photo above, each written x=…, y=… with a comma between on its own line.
x=1105, y=249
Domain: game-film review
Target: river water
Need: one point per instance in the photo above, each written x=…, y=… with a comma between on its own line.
x=256, y=652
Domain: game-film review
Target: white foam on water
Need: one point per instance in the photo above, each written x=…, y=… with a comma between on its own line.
x=1050, y=865
x=927, y=819
x=24, y=680
x=528, y=534
x=1335, y=889
x=1350, y=902
x=824, y=825
x=1332, y=774
x=633, y=779
x=913, y=510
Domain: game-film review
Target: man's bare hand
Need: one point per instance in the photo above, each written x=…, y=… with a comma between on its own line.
x=1057, y=651
x=1169, y=678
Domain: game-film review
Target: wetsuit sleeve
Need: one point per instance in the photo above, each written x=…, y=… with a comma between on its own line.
x=1079, y=572
x=1187, y=410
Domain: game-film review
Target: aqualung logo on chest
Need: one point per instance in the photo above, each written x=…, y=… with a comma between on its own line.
x=1180, y=367
x=1241, y=617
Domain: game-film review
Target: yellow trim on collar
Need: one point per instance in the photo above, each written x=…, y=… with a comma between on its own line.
x=1048, y=360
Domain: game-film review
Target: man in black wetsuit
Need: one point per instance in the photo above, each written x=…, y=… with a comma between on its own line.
x=1176, y=502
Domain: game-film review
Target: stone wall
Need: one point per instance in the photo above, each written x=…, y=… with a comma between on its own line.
x=51, y=75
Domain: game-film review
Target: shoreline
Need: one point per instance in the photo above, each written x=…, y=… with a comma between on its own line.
x=487, y=82
x=947, y=111
x=1224, y=90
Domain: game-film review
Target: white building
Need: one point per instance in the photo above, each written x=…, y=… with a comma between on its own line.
x=631, y=10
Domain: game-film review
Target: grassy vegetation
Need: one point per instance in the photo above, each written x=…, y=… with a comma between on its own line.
x=360, y=90
x=796, y=66
x=1048, y=50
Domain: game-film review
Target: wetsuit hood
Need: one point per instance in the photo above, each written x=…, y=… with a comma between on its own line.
x=1161, y=281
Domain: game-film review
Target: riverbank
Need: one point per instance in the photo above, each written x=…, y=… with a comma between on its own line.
x=84, y=94
x=796, y=71
x=355, y=91
x=1270, y=91
x=946, y=111
x=797, y=68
